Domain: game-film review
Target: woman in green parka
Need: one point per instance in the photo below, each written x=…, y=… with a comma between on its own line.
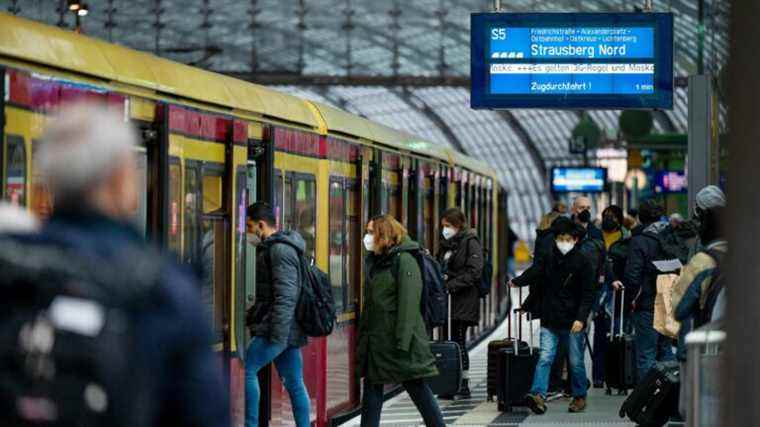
x=393, y=343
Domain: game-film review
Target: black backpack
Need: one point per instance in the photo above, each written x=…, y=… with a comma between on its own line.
x=315, y=309
x=485, y=281
x=671, y=245
x=67, y=336
x=434, y=302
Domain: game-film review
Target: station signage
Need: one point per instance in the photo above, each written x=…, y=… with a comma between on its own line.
x=572, y=60
x=578, y=179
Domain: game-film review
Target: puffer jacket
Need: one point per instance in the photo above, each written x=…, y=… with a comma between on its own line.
x=393, y=342
x=532, y=275
x=461, y=258
x=278, y=286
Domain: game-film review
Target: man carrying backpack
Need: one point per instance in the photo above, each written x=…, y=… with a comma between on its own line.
x=99, y=329
x=640, y=281
x=277, y=336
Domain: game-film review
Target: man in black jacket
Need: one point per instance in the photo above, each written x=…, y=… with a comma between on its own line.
x=567, y=278
x=640, y=281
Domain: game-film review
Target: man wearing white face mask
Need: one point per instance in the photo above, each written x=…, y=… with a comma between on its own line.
x=567, y=278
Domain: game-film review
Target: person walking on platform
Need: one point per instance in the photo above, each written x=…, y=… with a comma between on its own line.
x=112, y=332
x=461, y=259
x=567, y=278
x=616, y=239
x=277, y=337
x=639, y=280
x=393, y=345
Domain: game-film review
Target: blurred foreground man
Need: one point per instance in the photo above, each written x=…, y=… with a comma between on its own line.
x=98, y=328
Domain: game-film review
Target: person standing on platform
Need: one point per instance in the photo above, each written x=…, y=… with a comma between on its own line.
x=640, y=279
x=277, y=337
x=393, y=345
x=461, y=259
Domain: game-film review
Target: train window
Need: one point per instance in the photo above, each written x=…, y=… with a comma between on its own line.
x=191, y=227
x=428, y=208
x=305, y=210
x=394, y=202
x=353, y=248
x=15, y=167
x=287, y=203
x=141, y=216
x=278, y=197
x=40, y=198
x=212, y=187
x=175, y=190
x=337, y=239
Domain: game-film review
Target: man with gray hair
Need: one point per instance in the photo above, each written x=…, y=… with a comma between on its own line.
x=108, y=300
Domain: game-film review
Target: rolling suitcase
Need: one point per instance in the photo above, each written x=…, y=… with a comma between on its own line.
x=515, y=369
x=620, y=359
x=448, y=360
x=494, y=347
x=655, y=399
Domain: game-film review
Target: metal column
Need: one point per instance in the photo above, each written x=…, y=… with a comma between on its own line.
x=700, y=134
x=742, y=370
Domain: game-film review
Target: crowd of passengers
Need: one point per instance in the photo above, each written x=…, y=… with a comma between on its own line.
x=86, y=160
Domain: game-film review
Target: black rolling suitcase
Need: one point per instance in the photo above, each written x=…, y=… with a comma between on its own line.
x=448, y=360
x=655, y=399
x=494, y=347
x=620, y=359
x=515, y=368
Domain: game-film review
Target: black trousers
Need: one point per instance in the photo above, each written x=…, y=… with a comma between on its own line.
x=459, y=336
x=372, y=403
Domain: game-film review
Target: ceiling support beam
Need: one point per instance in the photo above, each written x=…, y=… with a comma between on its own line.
x=418, y=104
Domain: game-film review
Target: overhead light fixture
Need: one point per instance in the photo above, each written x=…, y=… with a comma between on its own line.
x=74, y=5
x=83, y=10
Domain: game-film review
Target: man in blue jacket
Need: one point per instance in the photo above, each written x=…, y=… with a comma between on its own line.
x=272, y=319
x=87, y=160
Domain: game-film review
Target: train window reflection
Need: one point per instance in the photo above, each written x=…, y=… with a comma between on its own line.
x=15, y=166
x=337, y=242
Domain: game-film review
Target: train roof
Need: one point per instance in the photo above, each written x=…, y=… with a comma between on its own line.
x=32, y=41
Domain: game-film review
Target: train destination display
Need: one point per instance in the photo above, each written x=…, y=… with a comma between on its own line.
x=570, y=60
x=578, y=179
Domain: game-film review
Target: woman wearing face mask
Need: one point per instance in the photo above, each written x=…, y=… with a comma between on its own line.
x=567, y=278
x=461, y=259
x=393, y=342
x=616, y=240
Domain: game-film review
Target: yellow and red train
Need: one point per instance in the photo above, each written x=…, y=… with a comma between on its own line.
x=210, y=145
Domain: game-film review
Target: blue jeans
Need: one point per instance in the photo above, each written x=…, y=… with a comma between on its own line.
x=289, y=364
x=550, y=339
x=651, y=346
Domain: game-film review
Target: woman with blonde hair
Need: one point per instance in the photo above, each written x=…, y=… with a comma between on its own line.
x=393, y=342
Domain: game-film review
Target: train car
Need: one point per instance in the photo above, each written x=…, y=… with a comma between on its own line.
x=210, y=145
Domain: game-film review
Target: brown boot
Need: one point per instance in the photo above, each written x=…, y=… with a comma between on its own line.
x=536, y=403
x=577, y=405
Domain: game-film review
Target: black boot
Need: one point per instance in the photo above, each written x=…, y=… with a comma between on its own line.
x=464, y=391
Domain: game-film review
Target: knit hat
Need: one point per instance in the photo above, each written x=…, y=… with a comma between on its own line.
x=711, y=197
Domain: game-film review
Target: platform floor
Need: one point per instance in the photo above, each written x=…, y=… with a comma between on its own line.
x=601, y=411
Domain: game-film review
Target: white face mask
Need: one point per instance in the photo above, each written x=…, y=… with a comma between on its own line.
x=565, y=247
x=369, y=242
x=449, y=232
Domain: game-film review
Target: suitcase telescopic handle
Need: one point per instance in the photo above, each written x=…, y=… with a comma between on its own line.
x=622, y=314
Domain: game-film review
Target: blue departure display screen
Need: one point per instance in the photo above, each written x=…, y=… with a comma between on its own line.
x=578, y=180
x=570, y=60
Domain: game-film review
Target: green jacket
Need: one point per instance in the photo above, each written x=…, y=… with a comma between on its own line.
x=393, y=343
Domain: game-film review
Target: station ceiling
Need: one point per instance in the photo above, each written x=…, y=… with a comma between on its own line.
x=409, y=39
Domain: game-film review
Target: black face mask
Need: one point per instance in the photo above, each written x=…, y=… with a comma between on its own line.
x=584, y=217
x=609, y=225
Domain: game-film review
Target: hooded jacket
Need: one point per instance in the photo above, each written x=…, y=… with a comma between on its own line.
x=463, y=271
x=393, y=343
x=567, y=287
x=531, y=276
x=278, y=286
x=640, y=275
